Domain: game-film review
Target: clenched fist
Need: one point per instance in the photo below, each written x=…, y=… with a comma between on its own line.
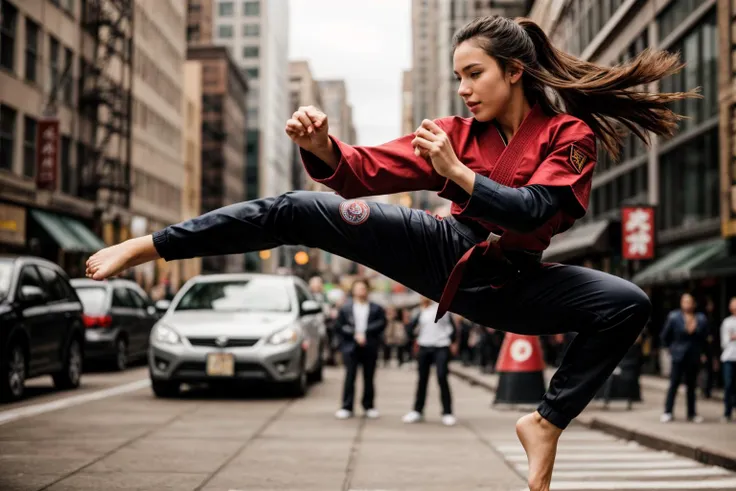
x=308, y=128
x=433, y=144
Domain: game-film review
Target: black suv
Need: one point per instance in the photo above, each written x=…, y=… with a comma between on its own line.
x=41, y=328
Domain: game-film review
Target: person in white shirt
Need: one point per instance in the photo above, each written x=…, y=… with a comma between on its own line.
x=728, y=359
x=436, y=345
x=360, y=325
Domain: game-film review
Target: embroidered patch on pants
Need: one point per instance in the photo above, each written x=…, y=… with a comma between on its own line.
x=354, y=211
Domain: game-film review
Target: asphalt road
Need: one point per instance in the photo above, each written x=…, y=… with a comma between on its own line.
x=114, y=434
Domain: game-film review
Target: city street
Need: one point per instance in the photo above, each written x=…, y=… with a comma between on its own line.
x=114, y=434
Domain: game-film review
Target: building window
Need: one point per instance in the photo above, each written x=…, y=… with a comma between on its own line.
x=226, y=9
x=8, y=19
x=251, y=73
x=674, y=15
x=225, y=32
x=700, y=55
x=252, y=8
x=7, y=137
x=67, y=82
x=29, y=147
x=689, y=182
x=193, y=32
x=31, y=50
x=65, y=165
x=251, y=30
x=250, y=52
x=53, y=64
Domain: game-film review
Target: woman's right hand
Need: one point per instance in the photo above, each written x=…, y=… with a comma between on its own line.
x=309, y=129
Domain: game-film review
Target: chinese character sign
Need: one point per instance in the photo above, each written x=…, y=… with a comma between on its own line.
x=637, y=232
x=47, y=153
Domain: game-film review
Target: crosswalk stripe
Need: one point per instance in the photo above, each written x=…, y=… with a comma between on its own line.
x=643, y=473
x=665, y=464
x=581, y=448
x=653, y=457
x=624, y=486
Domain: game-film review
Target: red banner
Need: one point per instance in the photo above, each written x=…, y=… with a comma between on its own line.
x=47, y=153
x=637, y=232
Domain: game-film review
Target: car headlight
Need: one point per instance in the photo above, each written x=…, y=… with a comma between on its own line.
x=165, y=335
x=290, y=335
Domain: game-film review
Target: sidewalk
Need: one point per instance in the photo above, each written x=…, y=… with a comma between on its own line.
x=711, y=442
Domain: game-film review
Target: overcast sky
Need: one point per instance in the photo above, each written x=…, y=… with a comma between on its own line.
x=368, y=44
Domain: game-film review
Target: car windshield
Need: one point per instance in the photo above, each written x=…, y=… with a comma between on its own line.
x=6, y=272
x=93, y=299
x=253, y=295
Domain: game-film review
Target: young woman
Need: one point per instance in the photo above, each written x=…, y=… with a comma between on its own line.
x=518, y=172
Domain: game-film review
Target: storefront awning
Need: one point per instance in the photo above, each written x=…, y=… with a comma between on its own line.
x=683, y=263
x=71, y=235
x=580, y=240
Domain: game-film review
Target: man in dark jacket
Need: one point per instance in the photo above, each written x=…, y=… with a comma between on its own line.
x=360, y=325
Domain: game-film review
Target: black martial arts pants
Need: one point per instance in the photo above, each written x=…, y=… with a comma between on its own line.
x=365, y=356
x=419, y=251
x=440, y=358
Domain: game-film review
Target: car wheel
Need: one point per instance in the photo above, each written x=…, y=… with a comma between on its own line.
x=71, y=374
x=121, y=355
x=12, y=385
x=316, y=375
x=298, y=388
x=164, y=388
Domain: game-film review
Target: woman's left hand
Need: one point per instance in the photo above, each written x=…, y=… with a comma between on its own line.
x=430, y=140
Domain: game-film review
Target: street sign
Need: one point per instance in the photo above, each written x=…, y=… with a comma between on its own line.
x=47, y=153
x=637, y=232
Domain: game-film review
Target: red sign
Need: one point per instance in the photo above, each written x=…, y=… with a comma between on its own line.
x=637, y=232
x=47, y=153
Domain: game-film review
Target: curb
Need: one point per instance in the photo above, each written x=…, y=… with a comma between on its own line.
x=700, y=454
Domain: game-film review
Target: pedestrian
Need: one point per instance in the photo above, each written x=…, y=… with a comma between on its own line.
x=728, y=360
x=684, y=334
x=360, y=325
x=395, y=337
x=436, y=341
x=518, y=172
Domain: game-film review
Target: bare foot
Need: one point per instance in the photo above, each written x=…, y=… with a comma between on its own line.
x=114, y=259
x=539, y=438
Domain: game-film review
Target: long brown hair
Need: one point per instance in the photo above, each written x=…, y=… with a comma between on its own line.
x=605, y=98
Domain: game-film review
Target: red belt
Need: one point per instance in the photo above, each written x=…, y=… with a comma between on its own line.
x=489, y=246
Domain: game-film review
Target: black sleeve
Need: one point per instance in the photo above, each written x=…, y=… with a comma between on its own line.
x=521, y=209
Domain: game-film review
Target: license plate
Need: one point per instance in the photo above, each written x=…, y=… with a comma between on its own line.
x=220, y=365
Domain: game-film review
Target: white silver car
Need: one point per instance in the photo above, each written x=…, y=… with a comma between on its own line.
x=238, y=326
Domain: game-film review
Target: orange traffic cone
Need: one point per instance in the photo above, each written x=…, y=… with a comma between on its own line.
x=521, y=370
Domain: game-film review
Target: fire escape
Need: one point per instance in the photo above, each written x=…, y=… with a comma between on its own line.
x=105, y=104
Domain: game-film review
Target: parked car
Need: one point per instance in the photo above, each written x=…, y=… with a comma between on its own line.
x=238, y=326
x=41, y=329
x=118, y=317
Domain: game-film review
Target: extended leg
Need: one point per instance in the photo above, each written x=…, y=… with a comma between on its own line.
x=407, y=245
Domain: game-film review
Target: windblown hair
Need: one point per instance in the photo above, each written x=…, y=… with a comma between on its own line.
x=605, y=98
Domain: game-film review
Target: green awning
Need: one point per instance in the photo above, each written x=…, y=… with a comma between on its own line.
x=680, y=264
x=580, y=240
x=71, y=235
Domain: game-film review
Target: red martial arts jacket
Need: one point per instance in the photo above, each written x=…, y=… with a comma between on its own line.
x=550, y=150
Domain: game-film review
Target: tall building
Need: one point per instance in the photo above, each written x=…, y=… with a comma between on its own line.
x=158, y=119
x=256, y=34
x=61, y=63
x=305, y=91
x=680, y=177
x=425, y=34
x=192, y=151
x=224, y=92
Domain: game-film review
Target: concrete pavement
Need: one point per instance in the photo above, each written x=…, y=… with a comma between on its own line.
x=711, y=442
x=253, y=441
